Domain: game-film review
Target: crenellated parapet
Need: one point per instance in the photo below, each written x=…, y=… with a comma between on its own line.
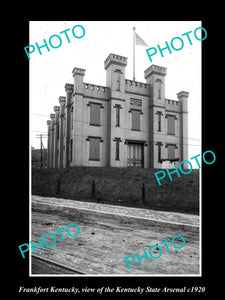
x=116, y=60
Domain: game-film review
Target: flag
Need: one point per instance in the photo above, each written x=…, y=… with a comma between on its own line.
x=139, y=40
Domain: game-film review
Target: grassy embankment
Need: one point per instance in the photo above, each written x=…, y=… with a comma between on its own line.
x=120, y=186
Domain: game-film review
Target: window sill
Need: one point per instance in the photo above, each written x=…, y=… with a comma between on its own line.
x=94, y=159
x=98, y=125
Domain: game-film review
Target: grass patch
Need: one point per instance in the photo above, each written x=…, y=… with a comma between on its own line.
x=120, y=186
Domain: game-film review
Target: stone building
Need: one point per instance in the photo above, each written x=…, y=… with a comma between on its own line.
x=125, y=123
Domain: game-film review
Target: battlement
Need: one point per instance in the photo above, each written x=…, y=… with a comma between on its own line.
x=94, y=87
x=56, y=108
x=182, y=94
x=172, y=102
x=136, y=83
x=154, y=69
x=136, y=87
x=78, y=71
x=69, y=86
x=62, y=99
x=115, y=59
x=95, y=91
x=172, y=105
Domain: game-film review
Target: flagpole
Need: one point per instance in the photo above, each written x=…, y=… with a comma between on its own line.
x=134, y=42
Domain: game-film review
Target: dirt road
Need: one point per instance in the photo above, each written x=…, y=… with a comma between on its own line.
x=110, y=233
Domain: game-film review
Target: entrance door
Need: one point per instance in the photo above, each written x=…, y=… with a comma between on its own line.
x=135, y=155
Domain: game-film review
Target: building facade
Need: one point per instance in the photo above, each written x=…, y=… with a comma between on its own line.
x=125, y=123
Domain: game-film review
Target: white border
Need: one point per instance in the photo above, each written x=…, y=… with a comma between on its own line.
x=118, y=275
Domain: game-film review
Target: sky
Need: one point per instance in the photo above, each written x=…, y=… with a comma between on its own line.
x=50, y=71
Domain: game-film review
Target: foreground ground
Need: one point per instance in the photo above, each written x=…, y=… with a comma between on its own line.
x=108, y=233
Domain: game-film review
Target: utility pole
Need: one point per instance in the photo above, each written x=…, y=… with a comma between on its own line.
x=41, y=145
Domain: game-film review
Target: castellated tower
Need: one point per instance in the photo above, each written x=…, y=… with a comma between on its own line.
x=183, y=99
x=77, y=118
x=56, y=136
x=62, y=125
x=155, y=77
x=168, y=121
x=115, y=82
x=49, y=145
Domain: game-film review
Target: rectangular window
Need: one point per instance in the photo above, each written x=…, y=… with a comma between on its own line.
x=171, y=125
x=64, y=126
x=117, y=149
x=57, y=130
x=159, y=91
x=159, y=113
x=94, y=148
x=171, y=151
x=118, y=80
x=117, y=116
x=117, y=110
x=159, y=84
x=159, y=121
x=136, y=119
x=71, y=150
x=159, y=144
x=71, y=117
x=95, y=114
x=117, y=140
